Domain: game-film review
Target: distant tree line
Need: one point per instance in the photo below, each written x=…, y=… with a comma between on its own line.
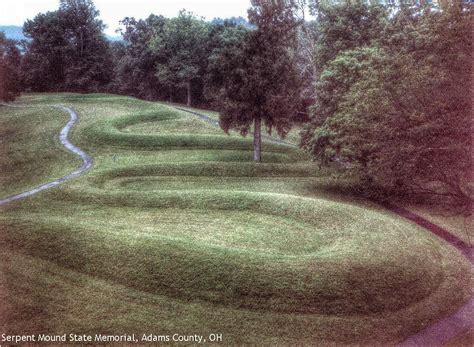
x=383, y=87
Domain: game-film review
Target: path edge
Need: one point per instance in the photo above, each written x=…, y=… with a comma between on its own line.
x=87, y=161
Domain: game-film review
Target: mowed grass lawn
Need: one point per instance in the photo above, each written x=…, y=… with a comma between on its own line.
x=30, y=151
x=176, y=230
x=292, y=137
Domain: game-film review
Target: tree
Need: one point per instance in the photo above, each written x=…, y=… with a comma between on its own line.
x=224, y=43
x=68, y=50
x=181, y=51
x=88, y=56
x=333, y=85
x=10, y=59
x=261, y=83
x=401, y=115
x=135, y=70
x=342, y=26
x=44, y=62
x=347, y=25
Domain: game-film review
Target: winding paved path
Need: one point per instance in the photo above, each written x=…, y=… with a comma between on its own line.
x=63, y=138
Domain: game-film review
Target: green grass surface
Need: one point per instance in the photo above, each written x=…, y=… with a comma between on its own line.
x=460, y=225
x=292, y=137
x=175, y=229
x=24, y=132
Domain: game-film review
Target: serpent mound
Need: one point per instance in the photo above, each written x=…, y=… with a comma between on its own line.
x=176, y=215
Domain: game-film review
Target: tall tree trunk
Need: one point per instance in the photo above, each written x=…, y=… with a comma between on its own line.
x=257, y=140
x=82, y=43
x=188, y=87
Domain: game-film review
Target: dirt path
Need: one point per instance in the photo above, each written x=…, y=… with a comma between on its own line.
x=445, y=330
x=63, y=138
x=86, y=165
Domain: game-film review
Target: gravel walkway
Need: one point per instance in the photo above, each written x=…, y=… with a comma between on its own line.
x=63, y=138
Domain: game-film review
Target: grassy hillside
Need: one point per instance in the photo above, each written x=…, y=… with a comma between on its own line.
x=30, y=150
x=292, y=137
x=175, y=229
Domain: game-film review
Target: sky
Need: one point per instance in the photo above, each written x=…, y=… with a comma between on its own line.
x=15, y=12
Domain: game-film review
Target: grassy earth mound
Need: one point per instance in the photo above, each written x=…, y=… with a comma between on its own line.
x=175, y=229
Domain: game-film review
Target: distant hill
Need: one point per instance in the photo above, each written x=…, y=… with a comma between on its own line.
x=13, y=32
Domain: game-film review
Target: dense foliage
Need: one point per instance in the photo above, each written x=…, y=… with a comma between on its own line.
x=181, y=50
x=9, y=69
x=67, y=50
x=396, y=109
x=135, y=71
x=175, y=59
x=261, y=82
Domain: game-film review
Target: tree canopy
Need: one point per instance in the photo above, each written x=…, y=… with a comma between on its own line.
x=261, y=83
x=397, y=109
x=67, y=49
x=136, y=60
x=9, y=69
x=181, y=49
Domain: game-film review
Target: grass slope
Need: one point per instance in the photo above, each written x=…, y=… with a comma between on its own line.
x=461, y=226
x=292, y=137
x=176, y=230
x=30, y=150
